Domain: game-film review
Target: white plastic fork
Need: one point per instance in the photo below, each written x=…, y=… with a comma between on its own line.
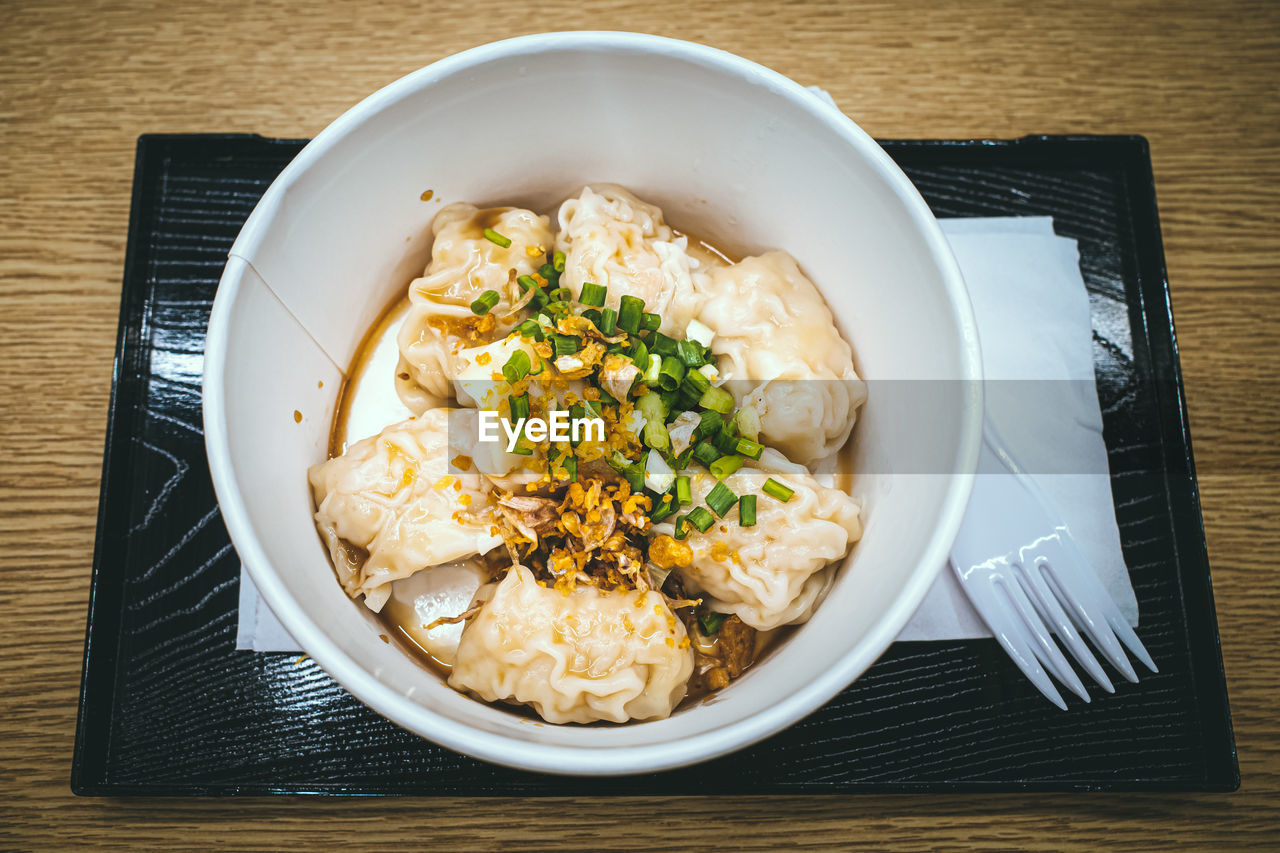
x=1028, y=579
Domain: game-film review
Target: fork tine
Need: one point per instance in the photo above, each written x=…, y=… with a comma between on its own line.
x=1042, y=641
x=1093, y=613
x=1009, y=632
x=1130, y=638
x=1051, y=611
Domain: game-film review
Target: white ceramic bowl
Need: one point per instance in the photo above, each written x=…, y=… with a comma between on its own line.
x=728, y=149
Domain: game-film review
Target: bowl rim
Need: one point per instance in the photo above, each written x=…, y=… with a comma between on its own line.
x=563, y=759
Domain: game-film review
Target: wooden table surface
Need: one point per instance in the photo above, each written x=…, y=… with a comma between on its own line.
x=79, y=81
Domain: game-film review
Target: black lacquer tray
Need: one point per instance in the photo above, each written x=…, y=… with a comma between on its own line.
x=169, y=707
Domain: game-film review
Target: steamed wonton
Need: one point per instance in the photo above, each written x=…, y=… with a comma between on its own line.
x=782, y=354
x=391, y=506
x=773, y=573
x=610, y=237
x=575, y=657
x=464, y=264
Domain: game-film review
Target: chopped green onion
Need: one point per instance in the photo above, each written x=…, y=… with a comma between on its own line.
x=700, y=518
x=519, y=407
x=682, y=461
x=682, y=527
x=721, y=498
x=747, y=511
x=557, y=261
x=724, y=466
x=650, y=406
x=560, y=294
x=484, y=302
x=629, y=310
x=494, y=237
x=606, y=399
x=632, y=471
x=663, y=345
x=593, y=294
x=555, y=309
x=608, y=321
x=650, y=322
x=655, y=427
x=640, y=355
x=725, y=441
x=749, y=448
x=539, y=295
x=548, y=272
x=717, y=399
x=616, y=349
x=691, y=353
x=565, y=344
x=748, y=422
x=591, y=408
x=651, y=372
x=709, y=423
x=662, y=509
x=530, y=329
x=670, y=374
x=706, y=453
x=709, y=623
x=695, y=383
x=593, y=315
x=517, y=367
x=570, y=464
x=684, y=491
x=774, y=489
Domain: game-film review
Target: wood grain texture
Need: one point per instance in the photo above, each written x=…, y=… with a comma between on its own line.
x=80, y=81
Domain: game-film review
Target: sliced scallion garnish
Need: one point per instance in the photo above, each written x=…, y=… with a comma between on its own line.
x=684, y=491
x=774, y=489
x=650, y=322
x=557, y=261
x=565, y=344
x=721, y=499
x=608, y=321
x=629, y=310
x=701, y=518
x=709, y=623
x=724, y=466
x=749, y=448
x=519, y=407
x=593, y=294
x=496, y=238
x=718, y=400
x=530, y=329
x=484, y=302
x=747, y=511
x=691, y=353
x=706, y=453
x=670, y=374
x=517, y=366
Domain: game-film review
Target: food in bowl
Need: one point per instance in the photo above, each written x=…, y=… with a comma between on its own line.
x=595, y=494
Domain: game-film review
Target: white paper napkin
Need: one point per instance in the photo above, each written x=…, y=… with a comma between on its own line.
x=1033, y=318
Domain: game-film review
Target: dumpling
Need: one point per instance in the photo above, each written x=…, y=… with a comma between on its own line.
x=393, y=505
x=464, y=264
x=612, y=238
x=577, y=656
x=781, y=354
x=771, y=574
x=419, y=601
